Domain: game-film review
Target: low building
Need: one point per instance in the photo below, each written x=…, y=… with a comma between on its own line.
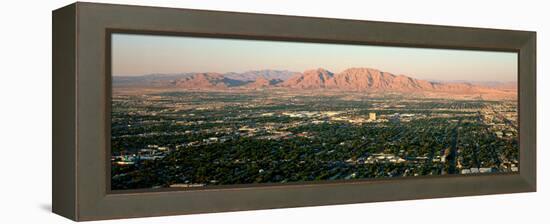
x=372, y=116
x=486, y=170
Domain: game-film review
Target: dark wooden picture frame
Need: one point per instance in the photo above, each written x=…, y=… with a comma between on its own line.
x=81, y=103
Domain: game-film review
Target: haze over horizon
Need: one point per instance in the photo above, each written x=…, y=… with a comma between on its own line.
x=136, y=54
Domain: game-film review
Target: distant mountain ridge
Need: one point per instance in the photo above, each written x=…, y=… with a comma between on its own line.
x=165, y=79
x=266, y=74
x=351, y=79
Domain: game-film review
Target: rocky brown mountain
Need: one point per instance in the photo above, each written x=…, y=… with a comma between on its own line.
x=376, y=81
x=310, y=79
x=206, y=81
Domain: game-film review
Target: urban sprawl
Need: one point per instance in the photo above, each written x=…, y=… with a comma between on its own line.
x=197, y=138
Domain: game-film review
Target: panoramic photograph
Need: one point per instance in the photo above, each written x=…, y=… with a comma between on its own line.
x=196, y=112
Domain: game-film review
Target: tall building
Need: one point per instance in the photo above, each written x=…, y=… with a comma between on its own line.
x=372, y=116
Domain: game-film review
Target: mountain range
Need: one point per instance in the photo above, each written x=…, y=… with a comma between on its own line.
x=351, y=79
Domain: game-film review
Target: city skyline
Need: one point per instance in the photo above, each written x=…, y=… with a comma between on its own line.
x=135, y=55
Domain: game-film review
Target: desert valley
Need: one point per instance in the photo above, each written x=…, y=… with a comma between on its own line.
x=272, y=126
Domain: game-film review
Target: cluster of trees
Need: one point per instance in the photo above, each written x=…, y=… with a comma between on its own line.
x=248, y=161
x=482, y=148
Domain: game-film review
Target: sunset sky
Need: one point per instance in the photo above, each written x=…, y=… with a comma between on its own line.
x=134, y=54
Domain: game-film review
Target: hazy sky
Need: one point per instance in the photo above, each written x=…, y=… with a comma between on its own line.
x=134, y=54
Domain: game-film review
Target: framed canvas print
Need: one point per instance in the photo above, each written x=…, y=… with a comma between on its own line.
x=161, y=111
